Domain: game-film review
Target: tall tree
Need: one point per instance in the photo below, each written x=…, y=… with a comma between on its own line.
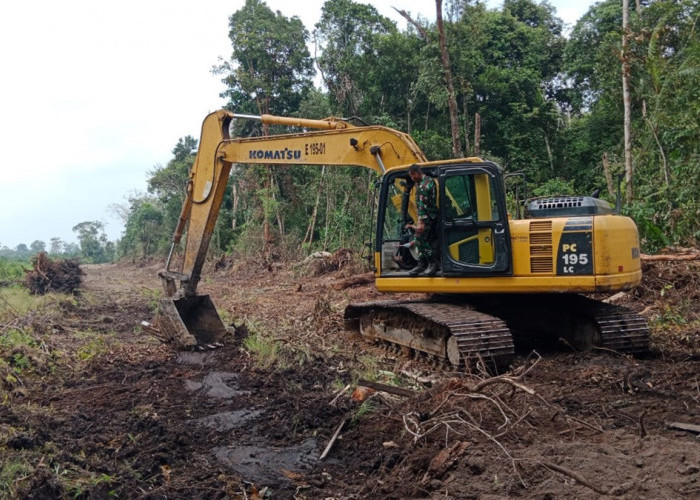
x=93, y=242
x=662, y=61
x=348, y=35
x=56, y=246
x=270, y=63
x=627, y=101
x=510, y=60
x=447, y=71
x=37, y=246
x=271, y=67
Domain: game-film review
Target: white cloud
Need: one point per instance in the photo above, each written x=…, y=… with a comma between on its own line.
x=95, y=94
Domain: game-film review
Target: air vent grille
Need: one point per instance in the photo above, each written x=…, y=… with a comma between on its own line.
x=541, y=247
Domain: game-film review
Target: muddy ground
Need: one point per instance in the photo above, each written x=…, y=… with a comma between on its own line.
x=100, y=409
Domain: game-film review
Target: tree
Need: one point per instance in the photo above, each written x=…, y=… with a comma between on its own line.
x=271, y=67
x=627, y=101
x=270, y=64
x=93, y=241
x=56, y=246
x=171, y=180
x=661, y=58
x=144, y=228
x=348, y=35
x=447, y=69
x=508, y=63
x=37, y=246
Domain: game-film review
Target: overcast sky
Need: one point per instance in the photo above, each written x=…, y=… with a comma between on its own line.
x=95, y=94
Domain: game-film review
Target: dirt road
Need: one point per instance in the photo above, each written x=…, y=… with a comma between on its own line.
x=107, y=411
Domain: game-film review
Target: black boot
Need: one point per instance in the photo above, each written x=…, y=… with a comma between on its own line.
x=420, y=267
x=432, y=267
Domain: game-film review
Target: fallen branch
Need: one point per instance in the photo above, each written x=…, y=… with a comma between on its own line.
x=688, y=254
x=684, y=427
x=333, y=440
x=343, y=391
x=501, y=379
x=399, y=391
x=574, y=475
x=361, y=279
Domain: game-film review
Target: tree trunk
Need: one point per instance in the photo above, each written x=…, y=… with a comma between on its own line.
x=328, y=217
x=309, y=236
x=477, y=134
x=465, y=112
x=266, y=190
x=234, y=209
x=549, y=151
x=451, y=99
x=608, y=175
x=627, y=102
x=273, y=196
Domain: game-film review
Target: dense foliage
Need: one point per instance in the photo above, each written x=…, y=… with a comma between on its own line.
x=550, y=106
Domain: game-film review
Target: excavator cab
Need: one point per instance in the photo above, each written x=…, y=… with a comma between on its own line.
x=473, y=236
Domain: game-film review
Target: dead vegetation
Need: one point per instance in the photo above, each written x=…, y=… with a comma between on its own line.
x=107, y=410
x=47, y=275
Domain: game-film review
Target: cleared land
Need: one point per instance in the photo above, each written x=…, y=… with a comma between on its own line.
x=93, y=407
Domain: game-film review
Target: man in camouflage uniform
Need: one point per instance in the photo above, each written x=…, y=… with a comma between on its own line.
x=425, y=228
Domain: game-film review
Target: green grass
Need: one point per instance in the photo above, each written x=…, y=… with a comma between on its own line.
x=17, y=301
x=17, y=337
x=364, y=409
x=153, y=297
x=12, y=472
x=95, y=346
x=265, y=350
x=13, y=271
x=367, y=368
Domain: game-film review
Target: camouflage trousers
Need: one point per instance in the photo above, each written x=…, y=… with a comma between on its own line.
x=426, y=240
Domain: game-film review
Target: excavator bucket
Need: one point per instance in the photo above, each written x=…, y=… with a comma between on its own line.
x=189, y=322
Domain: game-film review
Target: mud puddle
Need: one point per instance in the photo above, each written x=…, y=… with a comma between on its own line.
x=219, y=385
x=267, y=465
x=225, y=421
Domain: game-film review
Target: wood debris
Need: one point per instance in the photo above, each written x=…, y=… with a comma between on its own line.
x=684, y=427
x=46, y=275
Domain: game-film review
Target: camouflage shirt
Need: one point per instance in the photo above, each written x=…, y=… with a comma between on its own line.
x=426, y=199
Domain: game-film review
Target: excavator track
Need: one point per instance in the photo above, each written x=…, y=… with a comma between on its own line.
x=542, y=320
x=465, y=330
x=621, y=329
x=455, y=333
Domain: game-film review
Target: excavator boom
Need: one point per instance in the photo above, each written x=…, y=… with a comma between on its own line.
x=330, y=142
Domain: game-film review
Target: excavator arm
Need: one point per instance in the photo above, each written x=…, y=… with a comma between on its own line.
x=330, y=142
x=334, y=142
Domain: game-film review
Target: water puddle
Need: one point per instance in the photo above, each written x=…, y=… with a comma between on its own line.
x=227, y=420
x=268, y=465
x=219, y=385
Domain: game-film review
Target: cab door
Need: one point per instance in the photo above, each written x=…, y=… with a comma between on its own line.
x=475, y=239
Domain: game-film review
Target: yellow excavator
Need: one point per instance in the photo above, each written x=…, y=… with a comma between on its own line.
x=502, y=280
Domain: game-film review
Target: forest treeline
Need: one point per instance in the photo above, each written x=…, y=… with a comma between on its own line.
x=510, y=86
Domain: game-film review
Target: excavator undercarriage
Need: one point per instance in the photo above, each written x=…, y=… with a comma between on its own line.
x=469, y=330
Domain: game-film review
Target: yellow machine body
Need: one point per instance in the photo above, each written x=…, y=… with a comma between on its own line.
x=581, y=248
x=536, y=248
